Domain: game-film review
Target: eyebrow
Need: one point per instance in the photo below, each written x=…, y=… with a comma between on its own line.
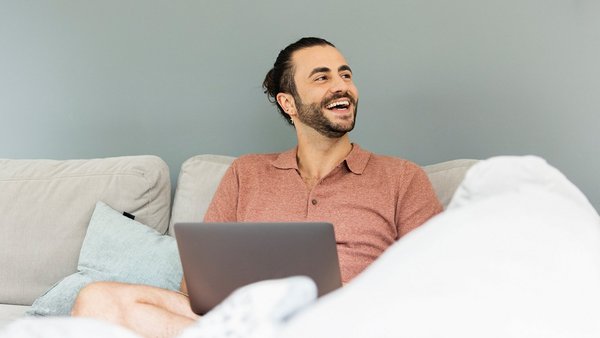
x=345, y=67
x=327, y=70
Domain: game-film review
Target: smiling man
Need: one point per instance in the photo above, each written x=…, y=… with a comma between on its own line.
x=371, y=200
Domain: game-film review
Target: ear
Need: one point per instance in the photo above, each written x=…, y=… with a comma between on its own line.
x=287, y=102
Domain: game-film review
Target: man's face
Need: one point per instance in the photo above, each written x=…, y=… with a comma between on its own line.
x=326, y=98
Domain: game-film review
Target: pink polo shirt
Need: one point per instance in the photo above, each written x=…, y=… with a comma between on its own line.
x=371, y=200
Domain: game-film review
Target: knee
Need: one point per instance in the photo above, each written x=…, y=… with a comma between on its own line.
x=95, y=298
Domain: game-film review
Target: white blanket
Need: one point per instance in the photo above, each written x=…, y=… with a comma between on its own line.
x=65, y=327
x=517, y=254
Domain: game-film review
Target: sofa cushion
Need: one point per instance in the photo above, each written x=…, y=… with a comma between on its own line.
x=45, y=207
x=447, y=176
x=119, y=249
x=9, y=313
x=200, y=177
x=198, y=180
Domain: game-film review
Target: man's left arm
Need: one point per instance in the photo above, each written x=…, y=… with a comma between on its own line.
x=417, y=201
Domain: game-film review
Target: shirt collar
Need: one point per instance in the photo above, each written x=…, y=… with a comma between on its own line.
x=356, y=161
x=287, y=159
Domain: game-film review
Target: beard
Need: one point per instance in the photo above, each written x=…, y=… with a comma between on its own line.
x=312, y=115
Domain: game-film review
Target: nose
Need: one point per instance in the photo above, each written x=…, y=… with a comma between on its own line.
x=339, y=85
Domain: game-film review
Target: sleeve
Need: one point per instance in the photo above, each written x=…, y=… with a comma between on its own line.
x=417, y=201
x=223, y=207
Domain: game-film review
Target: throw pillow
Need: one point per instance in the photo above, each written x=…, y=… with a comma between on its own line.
x=115, y=248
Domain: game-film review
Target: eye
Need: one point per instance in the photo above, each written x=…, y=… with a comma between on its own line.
x=321, y=78
x=346, y=75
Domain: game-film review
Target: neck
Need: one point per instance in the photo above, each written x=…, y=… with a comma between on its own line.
x=318, y=155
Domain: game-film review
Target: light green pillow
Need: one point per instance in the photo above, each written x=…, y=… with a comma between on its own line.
x=115, y=248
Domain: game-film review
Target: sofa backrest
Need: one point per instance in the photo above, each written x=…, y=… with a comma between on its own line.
x=46, y=205
x=446, y=176
x=201, y=174
x=197, y=182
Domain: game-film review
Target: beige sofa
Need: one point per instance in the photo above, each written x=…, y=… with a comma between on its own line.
x=46, y=205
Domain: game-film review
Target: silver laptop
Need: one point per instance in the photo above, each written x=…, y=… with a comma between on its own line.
x=218, y=258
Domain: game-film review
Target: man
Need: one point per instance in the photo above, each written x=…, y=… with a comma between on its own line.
x=372, y=200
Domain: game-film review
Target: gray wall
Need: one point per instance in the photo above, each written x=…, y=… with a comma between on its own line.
x=438, y=79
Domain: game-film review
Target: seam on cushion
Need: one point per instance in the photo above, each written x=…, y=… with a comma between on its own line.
x=48, y=178
x=147, y=192
x=441, y=170
x=150, y=189
x=448, y=169
x=105, y=174
x=133, y=172
x=210, y=158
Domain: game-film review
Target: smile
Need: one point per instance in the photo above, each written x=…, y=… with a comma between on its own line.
x=339, y=104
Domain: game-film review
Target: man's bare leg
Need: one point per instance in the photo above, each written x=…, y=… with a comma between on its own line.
x=147, y=310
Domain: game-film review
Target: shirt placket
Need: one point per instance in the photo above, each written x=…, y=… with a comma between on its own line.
x=312, y=203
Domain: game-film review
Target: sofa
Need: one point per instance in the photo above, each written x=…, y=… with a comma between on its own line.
x=46, y=206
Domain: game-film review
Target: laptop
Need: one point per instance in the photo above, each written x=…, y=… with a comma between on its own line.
x=218, y=258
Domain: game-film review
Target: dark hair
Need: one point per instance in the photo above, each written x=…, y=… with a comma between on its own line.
x=280, y=79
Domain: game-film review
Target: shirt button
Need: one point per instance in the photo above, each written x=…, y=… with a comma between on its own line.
x=314, y=202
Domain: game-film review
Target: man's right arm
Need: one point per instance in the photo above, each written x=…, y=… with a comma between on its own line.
x=223, y=207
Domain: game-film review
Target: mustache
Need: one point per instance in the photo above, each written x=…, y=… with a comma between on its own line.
x=337, y=96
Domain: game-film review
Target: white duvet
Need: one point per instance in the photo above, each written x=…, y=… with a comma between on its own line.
x=516, y=254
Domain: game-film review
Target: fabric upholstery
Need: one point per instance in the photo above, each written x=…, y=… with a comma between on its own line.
x=198, y=180
x=446, y=176
x=9, y=313
x=45, y=207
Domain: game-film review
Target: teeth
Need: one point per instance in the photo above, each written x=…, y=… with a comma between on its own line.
x=338, y=103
